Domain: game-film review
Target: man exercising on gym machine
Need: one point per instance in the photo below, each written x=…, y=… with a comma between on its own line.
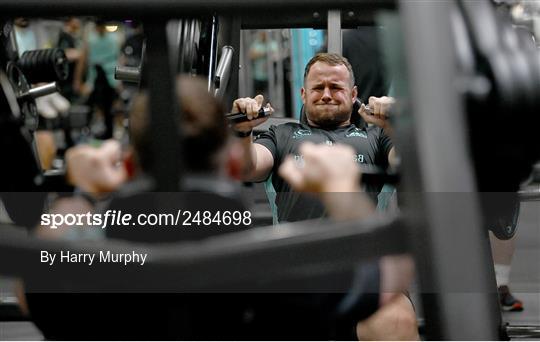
x=328, y=96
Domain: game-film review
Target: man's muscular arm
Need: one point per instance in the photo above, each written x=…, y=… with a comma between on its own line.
x=378, y=116
x=259, y=160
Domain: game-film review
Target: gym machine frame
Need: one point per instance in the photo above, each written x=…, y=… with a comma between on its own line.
x=428, y=221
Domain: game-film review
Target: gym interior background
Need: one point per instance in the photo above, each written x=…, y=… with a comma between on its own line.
x=466, y=76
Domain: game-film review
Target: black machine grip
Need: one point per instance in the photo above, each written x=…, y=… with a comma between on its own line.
x=242, y=117
x=372, y=174
x=264, y=112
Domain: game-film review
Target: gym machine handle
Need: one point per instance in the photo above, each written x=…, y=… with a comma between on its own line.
x=372, y=174
x=40, y=91
x=370, y=111
x=242, y=117
x=223, y=71
x=127, y=74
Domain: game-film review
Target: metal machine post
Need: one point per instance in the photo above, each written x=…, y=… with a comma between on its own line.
x=452, y=252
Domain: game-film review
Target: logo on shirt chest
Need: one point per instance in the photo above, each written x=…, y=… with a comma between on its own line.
x=357, y=133
x=301, y=133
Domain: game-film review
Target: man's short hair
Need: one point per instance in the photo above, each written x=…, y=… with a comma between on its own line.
x=203, y=126
x=330, y=59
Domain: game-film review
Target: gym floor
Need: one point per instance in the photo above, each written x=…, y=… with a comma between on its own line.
x=525, y=281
